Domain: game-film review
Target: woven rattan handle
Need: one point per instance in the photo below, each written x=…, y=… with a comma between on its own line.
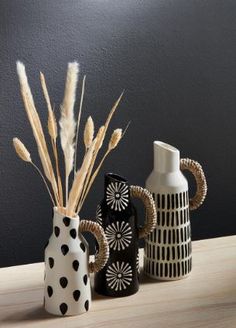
x=99, y=234
x=196, y=169
x=151, y=217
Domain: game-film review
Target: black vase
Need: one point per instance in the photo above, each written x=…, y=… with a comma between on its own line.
x=118, y=217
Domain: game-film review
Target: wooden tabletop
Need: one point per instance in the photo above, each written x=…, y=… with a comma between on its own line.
x=207, y=298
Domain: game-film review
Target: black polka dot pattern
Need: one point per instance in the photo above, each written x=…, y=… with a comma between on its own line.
x=57, y=231
x=75, y=265
x=63, y=282
x=86, y=305
x=64, y=249
x=63, y=308
x=73, y=233
x=85, y=278
x=50, y=291
x=51, y=262
x=76, y=295
x=82, y=246
x=66, y=221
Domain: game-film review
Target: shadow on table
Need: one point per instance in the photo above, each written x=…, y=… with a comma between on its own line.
x=34, y=314
x=147, y=280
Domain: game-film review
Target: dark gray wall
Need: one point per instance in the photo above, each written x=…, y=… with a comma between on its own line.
x=176, y=61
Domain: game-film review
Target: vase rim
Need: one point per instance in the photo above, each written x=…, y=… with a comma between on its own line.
x=166, y=146
x=56, y=210
x=116, y=177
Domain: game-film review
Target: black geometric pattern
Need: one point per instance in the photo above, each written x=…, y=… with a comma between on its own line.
x=168, y=249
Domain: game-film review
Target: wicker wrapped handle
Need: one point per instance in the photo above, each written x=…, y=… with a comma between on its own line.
x=151, y=217
x=196, y=169
x=99, y=234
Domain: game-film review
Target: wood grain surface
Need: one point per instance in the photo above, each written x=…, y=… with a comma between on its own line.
x=207, y=298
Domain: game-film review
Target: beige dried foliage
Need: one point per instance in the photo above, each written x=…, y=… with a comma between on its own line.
x=69, y=131
x=24, y=154
x=67, y=121
x=36, y=128
x=78, y=183
x=115, y=139
x=21, y=150
x=100, y=138
x=88, y=132
x=52, y=130
x=52, y=124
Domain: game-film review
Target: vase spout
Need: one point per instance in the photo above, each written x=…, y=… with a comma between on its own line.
x=166, y=157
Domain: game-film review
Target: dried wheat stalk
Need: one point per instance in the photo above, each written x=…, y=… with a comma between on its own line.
x=37, y=128
x=79, y=179
x=100, y=138
x=114, y=140
x=52, y=130
x=88, y=133
x=69, y=132
x=24, y=154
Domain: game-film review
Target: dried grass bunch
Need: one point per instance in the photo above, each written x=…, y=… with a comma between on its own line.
x=68, y=198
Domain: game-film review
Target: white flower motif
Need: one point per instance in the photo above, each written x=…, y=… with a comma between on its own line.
x=99, y=215
x=119, y=235
x=117, y=196
x=119, y=275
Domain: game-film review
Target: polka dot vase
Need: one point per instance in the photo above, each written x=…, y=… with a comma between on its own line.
x=67, y=288
x=118, y=216
x=168, y=249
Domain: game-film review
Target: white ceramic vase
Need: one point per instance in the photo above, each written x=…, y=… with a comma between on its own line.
x=67, y=288
x=168, y=250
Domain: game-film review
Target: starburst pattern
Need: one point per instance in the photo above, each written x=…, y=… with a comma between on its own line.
x=119, y=276
x=117, y=196
x=119, y=235
x=99, y=215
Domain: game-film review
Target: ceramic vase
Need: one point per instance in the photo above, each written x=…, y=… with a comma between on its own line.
x=168, y=250
x=67, y=282
x=117, y=215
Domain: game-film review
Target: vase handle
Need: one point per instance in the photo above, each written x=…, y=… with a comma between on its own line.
x=99, y=234
x=196, y=169
x=151, y=215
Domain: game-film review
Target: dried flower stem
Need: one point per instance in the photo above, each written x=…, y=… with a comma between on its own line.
x=69, y=135
x=114, y=140
x=40, y=173
x=52, y=130
x=36, y=128
x=78, y=182
x=24, y=154
x=78, y=122
x=98, y=145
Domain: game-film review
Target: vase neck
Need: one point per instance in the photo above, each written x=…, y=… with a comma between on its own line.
x=166, y=158
x=63, y=225
x=117, y=192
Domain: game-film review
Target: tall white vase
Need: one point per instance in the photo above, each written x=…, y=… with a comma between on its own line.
x=168, y=250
